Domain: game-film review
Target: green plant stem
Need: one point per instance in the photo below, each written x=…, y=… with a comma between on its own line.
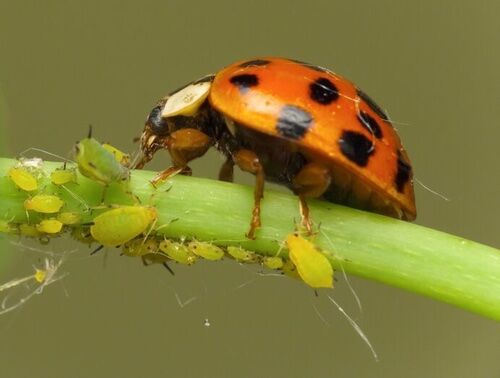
x=442, y=266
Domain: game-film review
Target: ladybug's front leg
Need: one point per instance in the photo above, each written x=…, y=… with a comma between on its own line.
x=248, y=161
x=310, y=182
x=183, y=145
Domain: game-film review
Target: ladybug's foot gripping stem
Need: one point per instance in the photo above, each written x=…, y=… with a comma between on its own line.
x=310, y=182
x=170, y=172
x=248, y=161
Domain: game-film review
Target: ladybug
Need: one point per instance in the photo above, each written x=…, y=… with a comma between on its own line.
x=292, y=123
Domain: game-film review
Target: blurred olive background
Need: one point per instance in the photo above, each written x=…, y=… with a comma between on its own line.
x=433, y=65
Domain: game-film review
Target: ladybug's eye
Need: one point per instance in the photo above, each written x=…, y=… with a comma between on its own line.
x=156, y=122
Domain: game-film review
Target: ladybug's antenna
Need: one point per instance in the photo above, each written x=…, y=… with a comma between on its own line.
x=90, y=132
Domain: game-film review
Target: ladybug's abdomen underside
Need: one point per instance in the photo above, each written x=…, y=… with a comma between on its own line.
x=327, y=120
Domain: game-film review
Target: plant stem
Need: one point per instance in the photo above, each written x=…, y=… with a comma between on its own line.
x=442, y=266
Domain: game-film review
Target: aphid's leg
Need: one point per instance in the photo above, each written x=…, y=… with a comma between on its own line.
x=310, y=182
x=248, y=161
x=226, y=172
x=183, y=145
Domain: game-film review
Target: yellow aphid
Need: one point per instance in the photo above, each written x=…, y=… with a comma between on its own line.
x=241, y=254
x=49, y=226
x=23, y=179
x=63, y=176
x=68, y=218
x=40, y=275
x=29, y=230
x=312, y=266
x=206, y=250
x=120, y=156
x=44, y=203
x=177, y=252
x=273, y=262
x=118, y=226
x=140, y=247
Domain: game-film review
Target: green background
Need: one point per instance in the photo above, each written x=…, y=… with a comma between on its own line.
x=433, y=65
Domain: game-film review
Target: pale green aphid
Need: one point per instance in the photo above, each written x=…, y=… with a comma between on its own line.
x=273, y=262
x=205, y=250
x=69, y=218
x=140, y=247
x=312, y=265
x=98, y=163
x=177, y=252
x=118, y=226
x=44, y=203
x=29, y=230
x=63, y=176
x=49, y=226
x=241, y=254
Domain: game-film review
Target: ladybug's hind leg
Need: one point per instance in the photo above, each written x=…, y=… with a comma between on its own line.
x=248, y=161
x=183, y=145
x=310, y=182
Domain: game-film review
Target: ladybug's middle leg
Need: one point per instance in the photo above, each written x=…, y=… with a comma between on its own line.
x=310, y=182
x=248, y=161
x=183, y=145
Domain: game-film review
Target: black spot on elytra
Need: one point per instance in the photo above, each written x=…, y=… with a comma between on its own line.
x=311, y=66
x=372, y=104
x=245, y=81
x=369, y=123
x=323, y=91
x=293, y=122
x=403, y=173
x=356, y=147
x=255, y=63
x=156, y=122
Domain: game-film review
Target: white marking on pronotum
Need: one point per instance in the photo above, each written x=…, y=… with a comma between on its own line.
x=187, y=101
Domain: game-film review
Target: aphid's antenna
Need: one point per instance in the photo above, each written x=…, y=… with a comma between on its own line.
x=35, y=149
x=357, y=328
x=97, y=250
x=351, y=288
x=431, y=190
x=89, y=135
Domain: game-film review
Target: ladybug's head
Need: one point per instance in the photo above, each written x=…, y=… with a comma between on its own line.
x=154, y=135
x=179, y=109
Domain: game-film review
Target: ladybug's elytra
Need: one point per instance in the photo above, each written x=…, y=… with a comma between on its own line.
x=292, y=123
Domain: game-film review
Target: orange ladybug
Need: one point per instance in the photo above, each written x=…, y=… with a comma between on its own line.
x=292, y=123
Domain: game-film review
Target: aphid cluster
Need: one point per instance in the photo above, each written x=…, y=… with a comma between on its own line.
x=51, y=207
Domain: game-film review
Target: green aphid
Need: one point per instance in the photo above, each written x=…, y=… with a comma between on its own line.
x=69, y=218
x=178, y=252
x=23, y=179
x=44, y=203
x=49, y=226
x=205, y=250
x=273, y=262
x=118, y=226
x=140, y=247
x=29, y=230
x=63, y=176
x=98, y=163
x=241, y=254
